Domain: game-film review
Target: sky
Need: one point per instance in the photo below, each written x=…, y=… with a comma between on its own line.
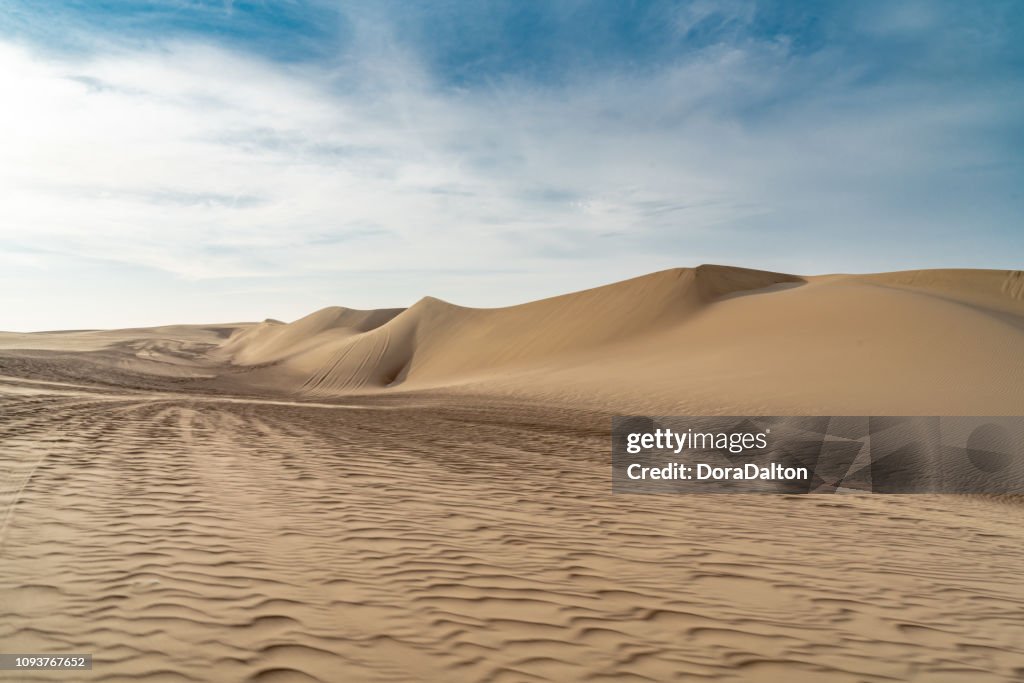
x=198, y=161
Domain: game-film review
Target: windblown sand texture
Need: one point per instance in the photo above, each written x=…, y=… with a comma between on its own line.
x=424, y=494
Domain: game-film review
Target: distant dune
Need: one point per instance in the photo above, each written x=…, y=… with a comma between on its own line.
x=435, y=343
x=711, y=337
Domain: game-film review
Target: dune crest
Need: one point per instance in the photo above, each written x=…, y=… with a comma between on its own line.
x=273, y=340
x=705, y=340
x=434, y=342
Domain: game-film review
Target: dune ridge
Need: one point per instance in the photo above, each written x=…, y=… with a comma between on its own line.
x=710, y=337
x=435, y=342
x=705, y=340
x=272, y=340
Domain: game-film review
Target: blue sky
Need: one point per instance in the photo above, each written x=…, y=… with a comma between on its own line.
x=239, y=160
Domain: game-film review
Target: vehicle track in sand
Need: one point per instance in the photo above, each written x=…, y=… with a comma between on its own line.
x=199, y=538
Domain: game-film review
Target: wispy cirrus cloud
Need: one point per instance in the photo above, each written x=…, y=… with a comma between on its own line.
x=560, y=147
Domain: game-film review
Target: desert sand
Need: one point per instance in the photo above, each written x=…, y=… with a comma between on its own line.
x=424, y=494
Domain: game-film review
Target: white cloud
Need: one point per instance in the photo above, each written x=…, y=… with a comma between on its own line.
x=147, y=157
x=203, y=163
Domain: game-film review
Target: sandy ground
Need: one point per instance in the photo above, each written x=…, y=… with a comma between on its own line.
x=185, y=514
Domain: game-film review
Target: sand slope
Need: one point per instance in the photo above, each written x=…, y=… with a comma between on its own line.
x=711, y=338
x=272, y=341
x=951, y=343
x=434, y=343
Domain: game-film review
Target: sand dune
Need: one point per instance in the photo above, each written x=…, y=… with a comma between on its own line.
x=709, y=338
x=272, y=341
x=424, y=494
x=434, y=343
x=835, y=345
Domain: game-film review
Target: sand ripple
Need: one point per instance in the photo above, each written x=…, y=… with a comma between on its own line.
x=189, y=539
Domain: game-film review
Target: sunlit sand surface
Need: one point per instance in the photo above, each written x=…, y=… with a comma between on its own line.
x=187, y=506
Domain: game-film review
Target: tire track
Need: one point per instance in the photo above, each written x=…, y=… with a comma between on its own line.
x=184, y=538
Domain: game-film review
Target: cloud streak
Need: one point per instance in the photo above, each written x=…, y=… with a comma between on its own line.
x=197, y=160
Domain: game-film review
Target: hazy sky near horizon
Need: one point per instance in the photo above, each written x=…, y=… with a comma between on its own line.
x=191, y=161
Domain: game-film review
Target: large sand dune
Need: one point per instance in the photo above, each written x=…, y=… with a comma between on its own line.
x=424, y=494
x=703, y=339
x=435, y=343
